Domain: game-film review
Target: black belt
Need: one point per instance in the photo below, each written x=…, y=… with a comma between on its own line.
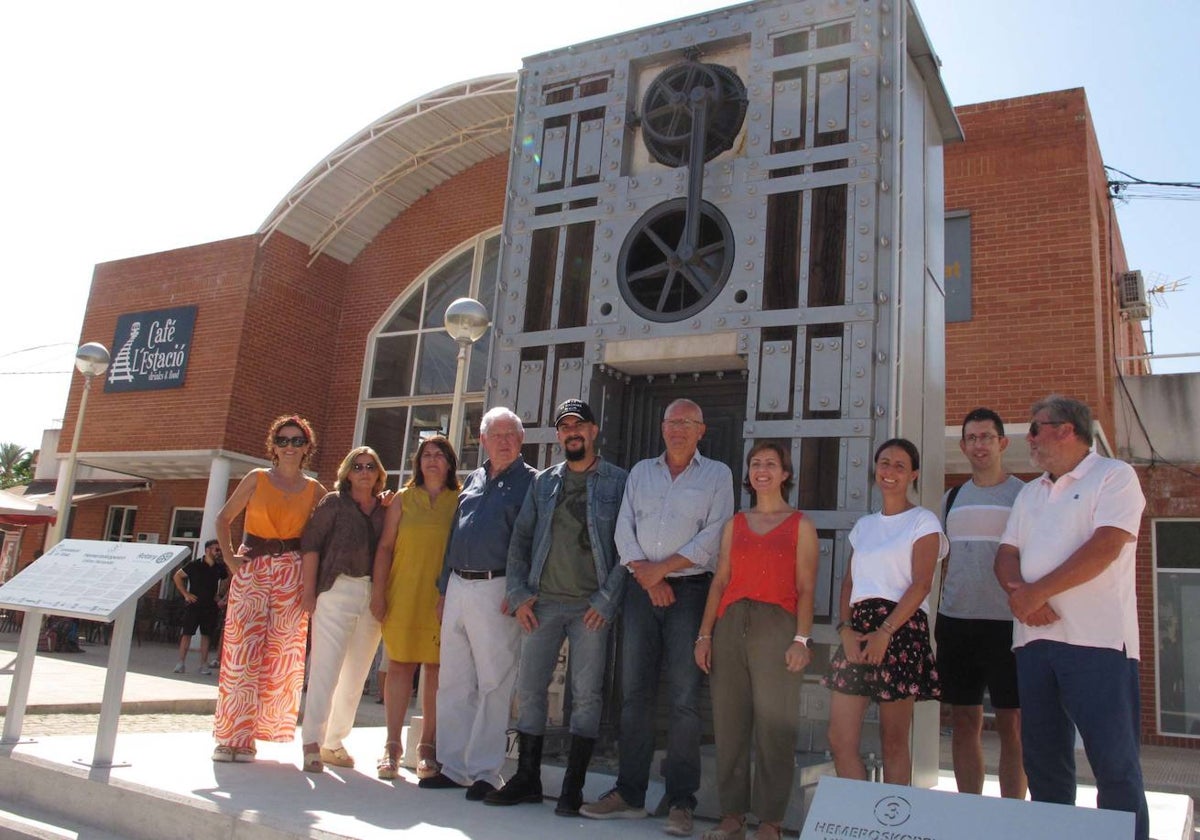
x=467, y=574
x=703, y=577
x=262, y=545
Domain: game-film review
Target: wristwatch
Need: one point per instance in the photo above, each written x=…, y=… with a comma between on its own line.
x=804, y=640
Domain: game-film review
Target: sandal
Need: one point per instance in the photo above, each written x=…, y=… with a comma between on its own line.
x=312, y=760
x=244, y=755
x=768, y=831
x=427, y=764
x=223, y=753
x=719, y=833
x=387, y=766
x=338, y=757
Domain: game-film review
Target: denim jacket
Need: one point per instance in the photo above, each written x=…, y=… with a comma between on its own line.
x=531, y=536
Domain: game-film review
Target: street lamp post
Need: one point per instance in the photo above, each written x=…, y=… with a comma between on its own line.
x=91, y=360
x=466, y=321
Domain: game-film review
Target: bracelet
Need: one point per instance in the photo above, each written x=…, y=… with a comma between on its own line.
x=888, y=628
x=838, y=628
x=702, y=638
x=804, y=640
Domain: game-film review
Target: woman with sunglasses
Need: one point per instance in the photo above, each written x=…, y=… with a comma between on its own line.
x=753, y=642
x=885, y=653
x=338, y=560
x=262, y=655
x=407, y=564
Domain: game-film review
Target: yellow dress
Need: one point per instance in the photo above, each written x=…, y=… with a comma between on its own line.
x=411, y=632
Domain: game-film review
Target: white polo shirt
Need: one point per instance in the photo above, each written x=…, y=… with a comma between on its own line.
x=1050, y=520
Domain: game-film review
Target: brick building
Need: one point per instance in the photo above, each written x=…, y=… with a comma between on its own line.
x=332, y=310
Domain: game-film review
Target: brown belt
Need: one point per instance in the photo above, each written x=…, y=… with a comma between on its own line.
x=274, y=547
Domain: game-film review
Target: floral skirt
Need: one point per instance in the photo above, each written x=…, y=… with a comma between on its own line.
x=907, y=670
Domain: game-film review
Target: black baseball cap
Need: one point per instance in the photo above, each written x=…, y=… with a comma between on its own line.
x=577, y=408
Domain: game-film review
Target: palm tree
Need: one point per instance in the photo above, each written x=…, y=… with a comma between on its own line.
x=15, y=464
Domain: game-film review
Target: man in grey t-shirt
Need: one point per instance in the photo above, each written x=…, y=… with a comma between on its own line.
x=974, y=622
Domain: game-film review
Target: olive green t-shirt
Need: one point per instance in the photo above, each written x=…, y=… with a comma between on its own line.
x=570, y=571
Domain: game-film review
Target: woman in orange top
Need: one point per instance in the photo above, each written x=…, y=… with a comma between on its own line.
x=754, y=642
x=262, y=658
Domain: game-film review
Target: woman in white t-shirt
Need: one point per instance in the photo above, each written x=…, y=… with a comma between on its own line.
x=885, y=653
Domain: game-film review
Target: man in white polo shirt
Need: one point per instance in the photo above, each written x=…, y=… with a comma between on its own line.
x=1067, y=560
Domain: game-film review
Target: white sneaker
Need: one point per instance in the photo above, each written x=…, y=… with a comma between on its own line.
x=178, y=669
x=205, y=671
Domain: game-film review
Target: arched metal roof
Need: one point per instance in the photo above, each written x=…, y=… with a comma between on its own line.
x=347, y=199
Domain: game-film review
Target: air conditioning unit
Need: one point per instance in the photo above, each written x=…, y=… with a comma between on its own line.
x=144, y=537
x=1132, y=291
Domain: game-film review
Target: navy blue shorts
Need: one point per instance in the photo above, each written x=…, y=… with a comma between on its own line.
x=973, y=654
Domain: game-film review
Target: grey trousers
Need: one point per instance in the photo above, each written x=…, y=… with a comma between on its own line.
x=754, y=694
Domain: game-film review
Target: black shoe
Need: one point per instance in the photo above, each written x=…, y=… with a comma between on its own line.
x=479, y=790
x=440, y=782
x=571, y=798
x=526, y=783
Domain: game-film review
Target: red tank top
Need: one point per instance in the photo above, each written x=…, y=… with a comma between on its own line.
x=762, y=567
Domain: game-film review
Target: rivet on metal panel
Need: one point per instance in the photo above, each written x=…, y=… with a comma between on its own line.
x=866, y=45
x=696, y=324
x=856, y=462
x=721, y=321
x=666, y=43
x=824, y=401
x=750, y=240
x=696, y=376
x=751, y=213
x=860, y=312
x=633, y=183
x=861, y=344
x=603, y=282
x=516, y=272
x=855, y=494
x=512, y=319
x=748, y=265
x=779, y=86
x=884, y=186
x=867, y=27
x=886, y=81
x=818, y=345
x=881, y=298
x=885, y=8
x=862, y=202
x=753, y=139
x=606, y=257
x=863, y=229
x=645, y=328
x=607, y=233
x=859, y=373
x=858, y=402
x=508, y=342
x=504, y=392
x=864, y=71
x=612, y=164
x=884, y=242
x=725, y=191
x=885, y=32
x=621, y=330
x=768, y=350
x=712, y=32
x=520, y=224
x=787, y=132
x=608, y=209
x=862, y=256
x=629, y=205
x=745, y=319
x=513, y=295
x=656, y=180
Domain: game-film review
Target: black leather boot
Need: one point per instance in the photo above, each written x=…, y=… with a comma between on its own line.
x=526, y=783
x=577, y=764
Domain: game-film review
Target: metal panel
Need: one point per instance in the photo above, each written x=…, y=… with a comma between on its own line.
x=832, y=104
x=529, y=391
x=570, y=380
x=554, y=153
x=787, y=122
x=591, y=144
x=958, y=269
x=824, y=603
x=775, y=377
x=825, y=374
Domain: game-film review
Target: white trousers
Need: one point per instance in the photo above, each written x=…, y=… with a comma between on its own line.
x=479, y=653
x=344, y=638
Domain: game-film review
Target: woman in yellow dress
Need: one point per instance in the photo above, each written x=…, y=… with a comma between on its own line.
x=409, y=558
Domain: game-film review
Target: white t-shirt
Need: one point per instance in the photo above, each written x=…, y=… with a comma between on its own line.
x=881, y=566
x=1050, y=520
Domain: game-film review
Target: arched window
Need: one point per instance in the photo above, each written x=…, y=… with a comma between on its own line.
x=408, y=377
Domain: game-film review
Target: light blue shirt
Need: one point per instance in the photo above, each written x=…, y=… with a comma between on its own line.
x=660, y=516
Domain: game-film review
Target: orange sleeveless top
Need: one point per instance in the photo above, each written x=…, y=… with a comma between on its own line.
x=762, y=567
x=275, y=515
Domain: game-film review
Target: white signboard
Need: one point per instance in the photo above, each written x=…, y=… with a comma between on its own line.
x=88, y=578
x=843, y=808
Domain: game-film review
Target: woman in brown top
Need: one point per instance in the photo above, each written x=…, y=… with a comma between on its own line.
x=338, y=553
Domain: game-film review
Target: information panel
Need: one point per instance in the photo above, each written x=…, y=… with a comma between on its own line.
x=88, y=578
x=843, y=808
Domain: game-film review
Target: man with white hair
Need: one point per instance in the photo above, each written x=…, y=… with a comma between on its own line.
x=480, y=643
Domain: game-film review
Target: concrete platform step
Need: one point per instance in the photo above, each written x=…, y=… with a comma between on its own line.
x=24, y=822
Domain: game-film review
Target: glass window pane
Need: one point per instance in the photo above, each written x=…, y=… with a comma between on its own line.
x=384, y=432
x=427, y=420
x=488, y=274
x=477, y=358
x=1179, y=653
x=439, y=363
x=1177, y=544
x=187, y=524
x=407, y=317
x=468, y=453
x=392, y=373
x=452, y=281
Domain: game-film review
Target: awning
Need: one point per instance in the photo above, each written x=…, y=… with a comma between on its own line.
x=16, y=509
x=41, y=490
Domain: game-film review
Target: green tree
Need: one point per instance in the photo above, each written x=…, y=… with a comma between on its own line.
x=16, y=465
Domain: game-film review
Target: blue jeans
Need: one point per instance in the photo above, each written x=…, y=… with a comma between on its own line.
x=1064, y=687
x=654, y=637
x=539, y=654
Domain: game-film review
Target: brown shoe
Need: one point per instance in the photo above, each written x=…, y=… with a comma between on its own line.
x=611, y=806
x=679, y=822
x=337, y=758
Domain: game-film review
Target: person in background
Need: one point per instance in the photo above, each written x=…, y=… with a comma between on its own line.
x=885, y=654
x=262, y=665
x=338, y=552
x=974, y=627
x=754, y=644
x=201, y=583
x=407, y=564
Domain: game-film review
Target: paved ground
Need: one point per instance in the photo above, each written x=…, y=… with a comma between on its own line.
x=64, y=701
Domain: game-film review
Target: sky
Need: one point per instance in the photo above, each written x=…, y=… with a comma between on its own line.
x=138, y=127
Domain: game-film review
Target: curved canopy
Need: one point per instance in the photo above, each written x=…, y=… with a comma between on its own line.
x=347, y=199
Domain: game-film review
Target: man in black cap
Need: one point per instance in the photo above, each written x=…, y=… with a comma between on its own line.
x=564, y=581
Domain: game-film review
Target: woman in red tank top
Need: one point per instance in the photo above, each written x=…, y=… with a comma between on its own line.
x=753, y=643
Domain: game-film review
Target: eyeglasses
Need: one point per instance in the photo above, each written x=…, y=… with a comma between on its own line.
x=971, y=440
x=358, y=466
x=295, y=442
x=1036, y=425
x=679, y=423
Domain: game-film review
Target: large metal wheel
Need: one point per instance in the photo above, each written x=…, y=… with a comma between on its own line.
x=663, y=278
x=670, y=104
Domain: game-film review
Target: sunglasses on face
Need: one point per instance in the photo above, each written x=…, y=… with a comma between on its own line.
x=369, y=466
x=295, y=442
x=1036, y=425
